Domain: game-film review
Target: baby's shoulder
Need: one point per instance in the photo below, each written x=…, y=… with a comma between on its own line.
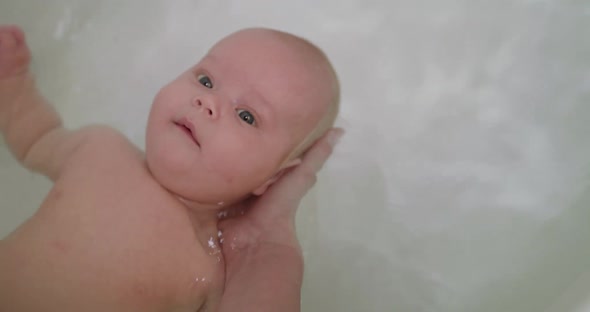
x=101, y=134
x=101, y=142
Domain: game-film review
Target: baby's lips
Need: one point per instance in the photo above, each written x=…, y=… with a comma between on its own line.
x=186, y=123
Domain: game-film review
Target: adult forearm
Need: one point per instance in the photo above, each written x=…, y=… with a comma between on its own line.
x=264, y=278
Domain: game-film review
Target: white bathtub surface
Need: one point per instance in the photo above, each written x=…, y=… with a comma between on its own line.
x=463, y=182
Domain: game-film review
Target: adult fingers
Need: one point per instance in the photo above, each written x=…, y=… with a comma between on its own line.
x=317, y=155
x=284, y=195
x=295, y=184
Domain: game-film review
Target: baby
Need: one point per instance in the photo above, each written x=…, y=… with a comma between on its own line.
x=126, y=231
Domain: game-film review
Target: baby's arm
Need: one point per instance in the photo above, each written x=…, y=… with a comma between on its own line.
x=30, y=126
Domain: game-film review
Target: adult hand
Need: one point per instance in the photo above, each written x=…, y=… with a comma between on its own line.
x=270, y=218
x=263, y=260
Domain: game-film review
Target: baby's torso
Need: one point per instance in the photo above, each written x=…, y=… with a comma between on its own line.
x=109, y=238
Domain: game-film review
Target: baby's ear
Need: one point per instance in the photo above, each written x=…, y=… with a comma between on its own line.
x=290, y=164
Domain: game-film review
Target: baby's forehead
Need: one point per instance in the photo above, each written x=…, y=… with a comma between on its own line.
x=277, y=63
x=286, y=65
x=272, y=42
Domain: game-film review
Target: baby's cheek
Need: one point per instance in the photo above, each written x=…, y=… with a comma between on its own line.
x=166, y=99
x=167, y=157
x=225, y=166
x=238, y=167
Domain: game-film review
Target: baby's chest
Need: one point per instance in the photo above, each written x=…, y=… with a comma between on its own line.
x=140, y=261
x=130, y=243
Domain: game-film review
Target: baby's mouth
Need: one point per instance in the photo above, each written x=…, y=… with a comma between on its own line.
x=187, y=126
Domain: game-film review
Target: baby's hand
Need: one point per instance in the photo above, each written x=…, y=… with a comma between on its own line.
x=14, y=53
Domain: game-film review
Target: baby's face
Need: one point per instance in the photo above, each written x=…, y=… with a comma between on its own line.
x=226, y=126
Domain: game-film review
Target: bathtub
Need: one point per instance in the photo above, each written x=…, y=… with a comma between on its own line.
x=462, y=183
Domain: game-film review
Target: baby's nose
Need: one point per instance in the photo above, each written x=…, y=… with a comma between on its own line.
x=207, y=107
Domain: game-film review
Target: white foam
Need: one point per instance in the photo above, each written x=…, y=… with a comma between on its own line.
x=221, y=214
x=211, y=243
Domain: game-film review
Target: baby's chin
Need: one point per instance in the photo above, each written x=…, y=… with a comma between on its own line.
x=198, y=185
x=197, y=204
x=195, y=190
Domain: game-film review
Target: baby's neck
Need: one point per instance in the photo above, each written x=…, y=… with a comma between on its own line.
x=202, y=215
x=204, y=219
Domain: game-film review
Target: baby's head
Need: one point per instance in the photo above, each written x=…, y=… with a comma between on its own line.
x=230, y=125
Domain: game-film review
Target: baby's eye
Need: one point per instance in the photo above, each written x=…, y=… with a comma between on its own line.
x=246, y=116
x=204, y=80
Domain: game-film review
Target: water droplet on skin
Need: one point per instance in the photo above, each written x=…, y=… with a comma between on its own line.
x=220, y=203
x=199, y=279
x=219, y=233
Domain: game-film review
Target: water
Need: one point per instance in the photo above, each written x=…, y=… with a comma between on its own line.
x=462, y=183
